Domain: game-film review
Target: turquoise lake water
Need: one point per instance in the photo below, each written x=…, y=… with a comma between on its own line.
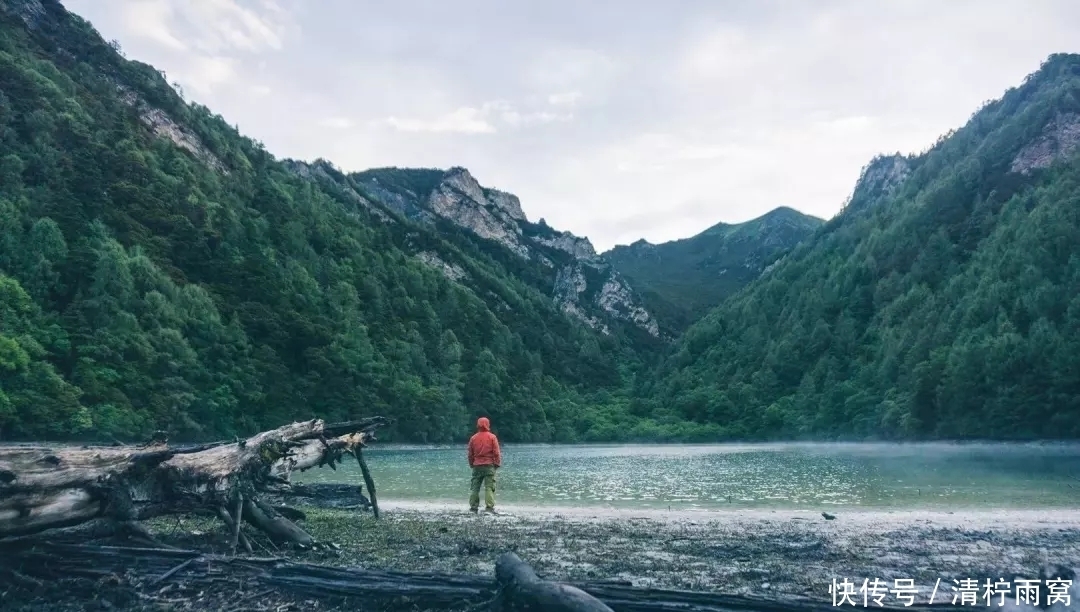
x=784, y=475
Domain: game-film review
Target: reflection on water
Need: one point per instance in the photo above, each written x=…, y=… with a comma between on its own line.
x=789, y=475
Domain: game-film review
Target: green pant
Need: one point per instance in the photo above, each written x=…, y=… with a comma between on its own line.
x=483, y=474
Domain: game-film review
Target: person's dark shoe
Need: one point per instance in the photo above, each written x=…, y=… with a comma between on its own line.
x=474, y=510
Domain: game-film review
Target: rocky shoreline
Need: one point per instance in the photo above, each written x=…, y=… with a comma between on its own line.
x=738, y=551
x=752, y=552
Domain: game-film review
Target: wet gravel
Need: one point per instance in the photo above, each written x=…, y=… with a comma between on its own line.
x=738, y=552
x=748, y=552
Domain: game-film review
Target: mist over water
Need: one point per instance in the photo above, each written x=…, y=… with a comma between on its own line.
x=781, y=475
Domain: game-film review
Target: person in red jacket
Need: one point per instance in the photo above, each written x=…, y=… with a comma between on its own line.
x=484, y=459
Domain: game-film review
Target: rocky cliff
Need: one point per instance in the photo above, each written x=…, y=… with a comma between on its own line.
x=582, y=283
x=878, y=181
x=1059, y=138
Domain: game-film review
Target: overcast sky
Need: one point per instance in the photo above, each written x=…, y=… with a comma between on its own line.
x=614, y=119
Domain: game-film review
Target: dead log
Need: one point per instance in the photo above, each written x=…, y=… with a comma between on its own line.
x=146, y=568
x=273, y=524
x=290, y=513
x=520, y=589
x=43, y=488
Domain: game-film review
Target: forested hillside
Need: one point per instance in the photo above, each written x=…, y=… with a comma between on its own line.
x=160, y=271
x=944, y=301
x=683, y=279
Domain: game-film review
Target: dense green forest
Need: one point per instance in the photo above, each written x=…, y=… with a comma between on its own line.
x=944, y=301
x=214, y=291
x=160, y=271
x=683, y=279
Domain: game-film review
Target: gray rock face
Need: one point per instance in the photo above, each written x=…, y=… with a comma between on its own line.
x=30, y=11
x=163, y=126
x=451, y=271
x=615, y=297
x=1059, y=139
x=579, y=247
x=400, y=203
x=881, y=178
x=462, y=200
x=497, y=216
x=506, y=202
x=570, y=283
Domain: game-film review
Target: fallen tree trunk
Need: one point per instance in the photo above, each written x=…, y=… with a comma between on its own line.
x=43, y=488
x=146, y=569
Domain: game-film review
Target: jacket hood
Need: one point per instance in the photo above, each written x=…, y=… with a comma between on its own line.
x=483, y=424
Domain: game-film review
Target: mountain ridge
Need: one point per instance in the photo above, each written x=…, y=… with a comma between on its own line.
x=940, y=303
x=579, y=280
x=683, y=278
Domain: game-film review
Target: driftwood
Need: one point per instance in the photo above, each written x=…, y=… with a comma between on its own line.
x=323, y=495
x=520, y=589
x=368, y=481
x=98, y=489
x=151, y=570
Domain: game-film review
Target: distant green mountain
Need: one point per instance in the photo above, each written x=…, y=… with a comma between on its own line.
x=944, y=301
x=682, y=279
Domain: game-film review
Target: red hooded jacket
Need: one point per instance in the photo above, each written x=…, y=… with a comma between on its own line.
x=484, y=446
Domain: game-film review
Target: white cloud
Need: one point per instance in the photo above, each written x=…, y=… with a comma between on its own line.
x=212, y=26
x=568, y=98
x=225, y=25
x=203, y=73
x=203, y=44
x=465, y=120
x=341, y=123
x=483, y=119
x=857, y=123
x=150, y=19
x=643, y=119
x=722, y=54
x=577, y=69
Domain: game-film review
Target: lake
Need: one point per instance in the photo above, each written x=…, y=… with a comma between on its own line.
x=781, y=475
